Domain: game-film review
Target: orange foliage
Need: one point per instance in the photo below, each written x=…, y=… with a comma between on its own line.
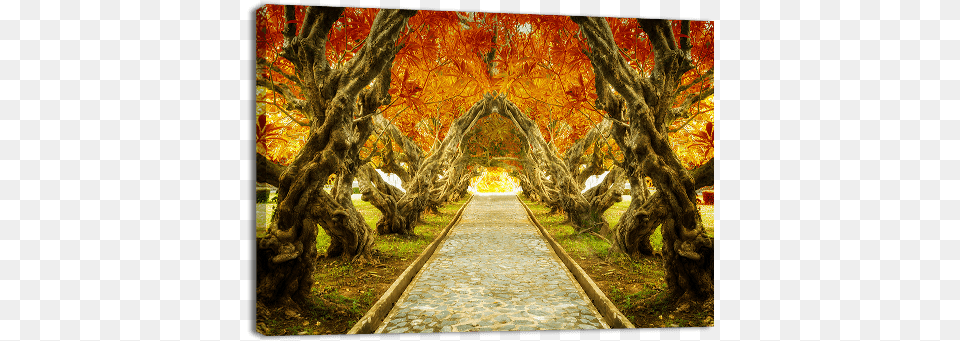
x=441, y=71
x=278, y=137
x=693, y=143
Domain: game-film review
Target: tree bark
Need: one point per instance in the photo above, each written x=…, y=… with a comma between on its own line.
x=412, y=154
x=703, y=175
x=607, y=192
x=531, y=180
x=286, y=256
x=454, y=184
x=574, y=157
x=632, y=233
x=381, y=195
x=268, y=171
x=647, y=104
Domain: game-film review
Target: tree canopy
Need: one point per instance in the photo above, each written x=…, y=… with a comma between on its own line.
x=448, y=60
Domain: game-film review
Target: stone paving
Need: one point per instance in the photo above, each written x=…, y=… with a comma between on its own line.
x=494, y=272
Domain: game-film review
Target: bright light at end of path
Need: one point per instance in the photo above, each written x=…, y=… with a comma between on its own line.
x=494, y=180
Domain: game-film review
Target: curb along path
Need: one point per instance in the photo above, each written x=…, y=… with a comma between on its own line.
x=494, y=272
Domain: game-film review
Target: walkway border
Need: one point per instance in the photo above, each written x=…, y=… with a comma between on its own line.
x=372, y=319
x=610, y=313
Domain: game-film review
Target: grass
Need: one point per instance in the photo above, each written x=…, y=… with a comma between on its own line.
x=343, y=290
x=429, y=227
x=583, y=245
x=636, y=287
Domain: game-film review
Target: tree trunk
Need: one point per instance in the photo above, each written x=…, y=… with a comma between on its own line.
x=605, y=194
x=574, y=156
x=632, y=233
x=412, y=155
x=532, y=182
x=268, y=171
x=454, y=184
x=703, y=175
x=647, y=103
x=381, y=195
x=287, y=254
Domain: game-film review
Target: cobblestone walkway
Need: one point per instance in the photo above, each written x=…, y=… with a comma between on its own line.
x=494, y=272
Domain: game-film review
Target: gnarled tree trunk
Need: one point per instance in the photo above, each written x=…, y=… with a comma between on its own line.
x=412, y=155
x=647, y=103
x=574, y=157
x=606, y=193
x=632, y=233
x=287, y=255
x=381, y=195
x=454, y=184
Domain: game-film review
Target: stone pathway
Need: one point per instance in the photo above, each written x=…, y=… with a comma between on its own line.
x=494, y=272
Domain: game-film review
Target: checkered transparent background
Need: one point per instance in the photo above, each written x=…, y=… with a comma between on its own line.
x=126, y=168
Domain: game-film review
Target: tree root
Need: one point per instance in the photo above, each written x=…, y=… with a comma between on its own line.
x=601, y=237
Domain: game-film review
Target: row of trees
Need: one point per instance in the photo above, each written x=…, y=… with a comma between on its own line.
x=434, y=97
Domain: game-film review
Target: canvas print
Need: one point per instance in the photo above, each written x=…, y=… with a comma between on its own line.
x=437, y=171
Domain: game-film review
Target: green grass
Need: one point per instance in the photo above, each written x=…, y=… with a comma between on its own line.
x=354, y=305
x=428, y=229
x=583, y=244
x=576, y=245
x=370, y=213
